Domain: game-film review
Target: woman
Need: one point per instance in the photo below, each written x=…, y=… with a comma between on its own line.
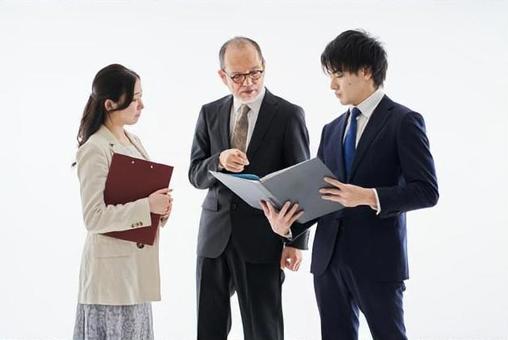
x=118, y=279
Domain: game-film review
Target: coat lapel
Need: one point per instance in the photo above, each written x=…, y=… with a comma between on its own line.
x=374, y=126
x=224, y=116
x=267, y=111
x=335, y=150
x=115, y=145
x=137, y=144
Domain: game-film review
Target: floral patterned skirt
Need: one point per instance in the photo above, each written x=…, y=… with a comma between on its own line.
x=102, y=322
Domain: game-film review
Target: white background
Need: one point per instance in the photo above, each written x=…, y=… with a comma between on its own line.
x=447, y=60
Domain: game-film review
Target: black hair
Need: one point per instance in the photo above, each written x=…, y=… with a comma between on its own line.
x=353, y=50
x=114, y=82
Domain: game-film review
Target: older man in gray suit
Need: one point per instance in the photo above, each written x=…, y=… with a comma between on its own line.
x=251, y=130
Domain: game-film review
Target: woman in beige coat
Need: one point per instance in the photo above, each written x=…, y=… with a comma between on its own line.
x=118, y=279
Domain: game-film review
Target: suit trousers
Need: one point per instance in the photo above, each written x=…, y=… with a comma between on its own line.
x=258, y=287
x=340, y=294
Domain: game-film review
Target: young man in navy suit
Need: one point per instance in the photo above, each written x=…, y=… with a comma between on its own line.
x=379, y=153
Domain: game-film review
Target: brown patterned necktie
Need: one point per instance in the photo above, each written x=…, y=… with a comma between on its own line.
x=239, y=136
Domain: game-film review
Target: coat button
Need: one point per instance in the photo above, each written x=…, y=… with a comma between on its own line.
x=140, y=245
x=234, y=206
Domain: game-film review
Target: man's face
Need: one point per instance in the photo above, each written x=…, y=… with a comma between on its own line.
x=352, y=88
x=238, y=61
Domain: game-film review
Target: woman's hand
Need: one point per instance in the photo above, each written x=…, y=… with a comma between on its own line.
x=159, y=201
x=166, y=215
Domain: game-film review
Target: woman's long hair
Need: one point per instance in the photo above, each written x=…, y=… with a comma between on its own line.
x=114, y=82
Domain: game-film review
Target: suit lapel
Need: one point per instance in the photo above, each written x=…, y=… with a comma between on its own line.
x=224, y=113
x=137, y=144
x=114, y=144
x=374, y=126
x=267, y=111
x=335, y=148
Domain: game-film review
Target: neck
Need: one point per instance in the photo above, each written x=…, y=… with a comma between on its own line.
x=366, y=95
x=117, y=131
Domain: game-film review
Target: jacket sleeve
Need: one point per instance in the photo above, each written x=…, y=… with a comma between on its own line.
x=201, y=158
x=93, y=169
x=419, y=188
x=296, y=150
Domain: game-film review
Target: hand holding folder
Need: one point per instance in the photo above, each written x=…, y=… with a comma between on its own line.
x=299, y=183
x=130, y=179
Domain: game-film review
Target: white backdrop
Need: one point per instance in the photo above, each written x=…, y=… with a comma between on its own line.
x=447, y=60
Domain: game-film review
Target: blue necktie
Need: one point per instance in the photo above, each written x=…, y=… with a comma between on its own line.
x=350, y=141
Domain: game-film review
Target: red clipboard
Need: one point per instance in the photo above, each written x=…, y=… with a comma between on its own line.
x=130, y=179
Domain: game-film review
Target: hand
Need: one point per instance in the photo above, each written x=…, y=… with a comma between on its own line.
x=347, y=194
x=159, y=201
x=233, y=160
x=281, y=221
x=166, y=215
x=291, y=258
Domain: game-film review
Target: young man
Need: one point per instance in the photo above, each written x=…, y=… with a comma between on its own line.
x=255, y=131
x=380, y=156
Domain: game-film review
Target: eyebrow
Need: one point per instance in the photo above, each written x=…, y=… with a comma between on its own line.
x=256, y=68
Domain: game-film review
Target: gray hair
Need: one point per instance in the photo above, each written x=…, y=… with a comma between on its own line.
x=239, y=42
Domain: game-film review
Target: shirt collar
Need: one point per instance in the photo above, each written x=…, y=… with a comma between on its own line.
x=370, y=103
x=255, y=105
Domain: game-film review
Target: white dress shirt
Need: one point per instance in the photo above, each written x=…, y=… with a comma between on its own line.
x=366, y=108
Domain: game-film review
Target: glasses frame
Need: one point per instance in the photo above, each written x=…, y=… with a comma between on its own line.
x=239, y=78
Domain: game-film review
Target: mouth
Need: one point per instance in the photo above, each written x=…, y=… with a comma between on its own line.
x=249, y=92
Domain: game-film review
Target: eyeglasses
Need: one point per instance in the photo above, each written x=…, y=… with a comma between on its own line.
x=239, y=78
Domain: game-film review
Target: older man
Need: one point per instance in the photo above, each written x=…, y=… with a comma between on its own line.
x=251, y=130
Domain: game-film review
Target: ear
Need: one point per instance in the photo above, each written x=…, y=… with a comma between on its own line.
x=223, y=76
x=110, y=105
x=366, y=73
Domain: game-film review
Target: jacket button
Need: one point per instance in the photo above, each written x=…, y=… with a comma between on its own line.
x=140, y=245
x=234, y=206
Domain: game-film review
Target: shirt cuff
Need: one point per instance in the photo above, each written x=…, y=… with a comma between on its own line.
x=378, y=205
x=289, y=235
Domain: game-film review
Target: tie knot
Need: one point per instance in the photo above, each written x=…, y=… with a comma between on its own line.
x=243, y=109
x=355, y=112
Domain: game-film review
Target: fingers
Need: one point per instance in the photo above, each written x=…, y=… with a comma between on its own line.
x=296, y=264
x=295, y=217
x=265, y=208
x=333, y=198
x=330, y=191
x=291, y=262
x=283, y=262
x=334, y=182
x=240, y=157
x=162, y=191
x=284, y=209
x=271, y=209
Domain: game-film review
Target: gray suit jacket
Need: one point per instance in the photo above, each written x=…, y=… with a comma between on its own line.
x=279, y=140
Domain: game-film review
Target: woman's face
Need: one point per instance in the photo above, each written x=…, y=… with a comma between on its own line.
x=131, y=113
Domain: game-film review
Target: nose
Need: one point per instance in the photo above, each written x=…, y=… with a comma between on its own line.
x=141, y=104
x=248, y=81
x=333, y=84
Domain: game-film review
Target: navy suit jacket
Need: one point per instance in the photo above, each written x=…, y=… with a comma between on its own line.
x=392, y=156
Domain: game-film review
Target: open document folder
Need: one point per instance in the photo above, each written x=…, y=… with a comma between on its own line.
x=299, y=183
